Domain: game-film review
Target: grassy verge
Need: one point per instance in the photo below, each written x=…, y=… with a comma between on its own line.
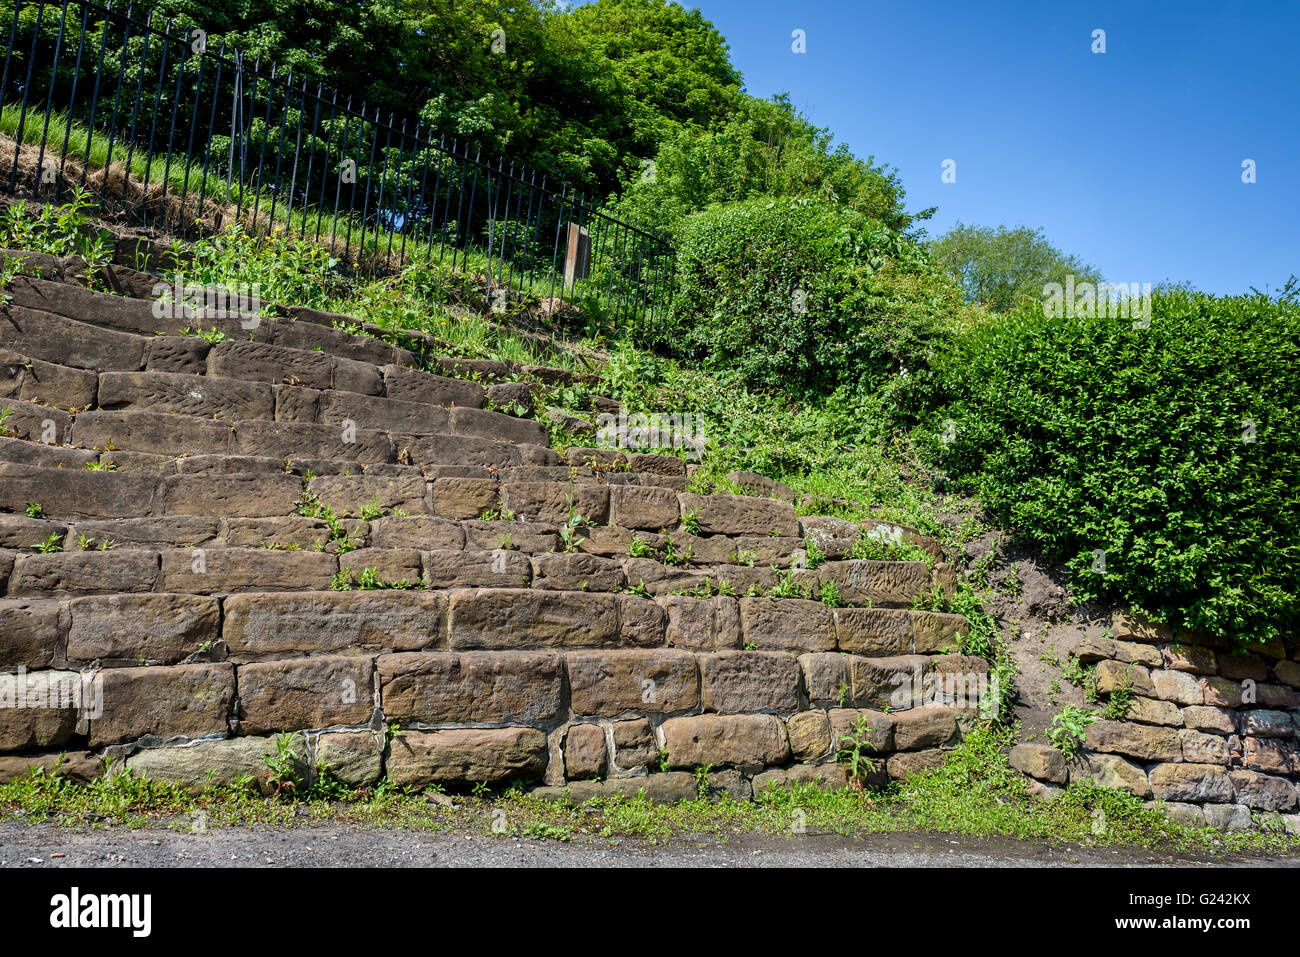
x=975, y=793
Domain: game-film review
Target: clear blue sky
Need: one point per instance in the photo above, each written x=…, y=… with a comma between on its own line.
x=1129, y=159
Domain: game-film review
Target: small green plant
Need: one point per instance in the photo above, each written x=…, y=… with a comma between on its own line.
x=51, y=544
x=1121, y=699
x=286, y=776
x=639, y=589
x=858, y=741
x=1081, y=676
x=691, y=521
x=813, y=554
x=371, y=510
x=746, y=558
x=830, y=595
x=1012, y=583
x=673, y=556
x=640, y=548
x=480, y=790
x=787, y=587
x=569, y=537
x=1068, y=729
x=101, y=466
x=702, y=780
x=34, y=510
x=213, y=335
x=664, y=766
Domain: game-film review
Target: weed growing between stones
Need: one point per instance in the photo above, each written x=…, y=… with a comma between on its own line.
x=974, y=793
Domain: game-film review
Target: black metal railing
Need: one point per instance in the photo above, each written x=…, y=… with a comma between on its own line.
x=175, y=130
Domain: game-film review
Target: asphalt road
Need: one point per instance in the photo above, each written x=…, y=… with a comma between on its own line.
x=45, y=846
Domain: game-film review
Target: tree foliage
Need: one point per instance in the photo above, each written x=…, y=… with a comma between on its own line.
x=1001, y=267
x=1166, y=451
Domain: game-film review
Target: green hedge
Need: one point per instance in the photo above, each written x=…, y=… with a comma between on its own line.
x=798, y=295
x=1088, y=433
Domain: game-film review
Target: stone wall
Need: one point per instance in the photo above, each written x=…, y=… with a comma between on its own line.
x=204, y=545
x=1211, y=731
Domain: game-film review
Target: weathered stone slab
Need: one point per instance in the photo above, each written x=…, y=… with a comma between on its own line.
x=465, y=756
x=464, y=497
x=198, y=395
x=449, y=449
x=498, y=568
x=416, y=532
x=221, y=762
x=551, y=502
x=141, y=629
x=1110, y=771
x=31, y=633
x=482, y=423
x=209, y=571
x=333, y=621
x=719, y=740
x=787, y=624
x=1040, y=761
x=308, y=440
x=746, y=681
x=505, y=618
x=740, y=514
x=493, y=687
x=130, y=570
x=642, y=507
x=576, y=571
x=43, y=335
x=1144, y=742
x=40, y=709
x=353, y=757
x=376, y=412
x=177, y=701
x=158, y=432
x=873, y=631
x=1191, y=782
x=347, y=495
x=415, y=386
x=245, y=496
x=927, y=727
x=319, y=692
x=585, y=752
x=863, y=581
x=702, y=624
x=610, y=683
x=34, y=380
x=68, y=494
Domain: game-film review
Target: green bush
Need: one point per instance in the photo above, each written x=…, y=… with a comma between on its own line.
x=1171, y=448
x=800, y=295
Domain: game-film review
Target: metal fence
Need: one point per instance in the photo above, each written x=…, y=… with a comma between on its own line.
x=174, y=130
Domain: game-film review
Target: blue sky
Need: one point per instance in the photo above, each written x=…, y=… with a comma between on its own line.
x=1130, y=159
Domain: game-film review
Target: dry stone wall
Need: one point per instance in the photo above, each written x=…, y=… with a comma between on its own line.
x=1212, y=733
x=204, y=545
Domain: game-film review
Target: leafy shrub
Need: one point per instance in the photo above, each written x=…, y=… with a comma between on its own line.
x=802, y=295
x=1159, y=463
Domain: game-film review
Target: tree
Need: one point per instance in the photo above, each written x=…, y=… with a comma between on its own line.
x=999, y=267
x=763, y=148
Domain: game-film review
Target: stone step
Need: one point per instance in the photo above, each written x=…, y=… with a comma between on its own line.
x=293, y=553
x=169, y=627
x=47, y=319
